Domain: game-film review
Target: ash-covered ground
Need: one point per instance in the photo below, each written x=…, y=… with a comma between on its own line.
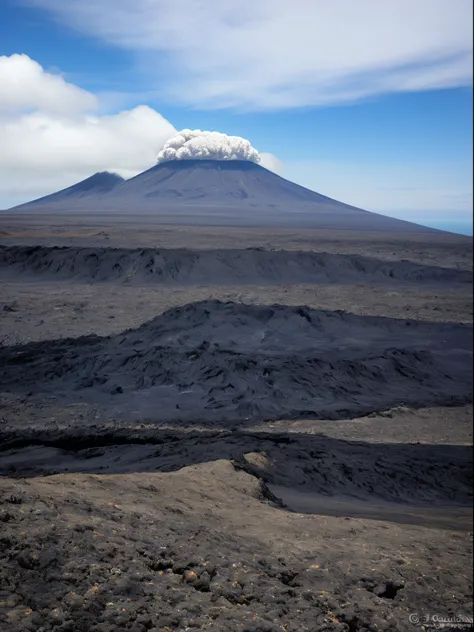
x=198, y=436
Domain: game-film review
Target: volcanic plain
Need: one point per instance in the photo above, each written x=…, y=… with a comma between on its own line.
x=233, y=429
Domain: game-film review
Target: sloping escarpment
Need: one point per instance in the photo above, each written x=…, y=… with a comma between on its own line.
x=213, y=361
x=400, y=473
x=228, y=267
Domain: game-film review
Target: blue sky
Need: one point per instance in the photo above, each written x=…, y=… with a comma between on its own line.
x=378, y=115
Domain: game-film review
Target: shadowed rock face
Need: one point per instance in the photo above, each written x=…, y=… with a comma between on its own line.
x=188, y=267
x=93, y=187
x=200, y=192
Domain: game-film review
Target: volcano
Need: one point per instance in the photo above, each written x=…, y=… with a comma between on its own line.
x=212, y=192
x=90, y=188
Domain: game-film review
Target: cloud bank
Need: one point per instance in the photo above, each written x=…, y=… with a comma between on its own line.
x=270, y=54
x=197, y=145
x=25, y=85
x=52, y=136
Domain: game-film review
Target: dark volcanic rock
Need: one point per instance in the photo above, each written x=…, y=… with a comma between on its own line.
x=212, y=267
x=213, y=361
x=245, y=578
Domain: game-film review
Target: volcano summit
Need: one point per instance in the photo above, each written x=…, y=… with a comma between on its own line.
x=228, y=192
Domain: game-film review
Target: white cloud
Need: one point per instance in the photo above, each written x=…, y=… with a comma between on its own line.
x=126, y=142
x=25, y=85
x=51, y=138
x=261, y=54
x=41, y=153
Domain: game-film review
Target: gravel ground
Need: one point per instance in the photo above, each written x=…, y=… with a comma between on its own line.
x=350, y=525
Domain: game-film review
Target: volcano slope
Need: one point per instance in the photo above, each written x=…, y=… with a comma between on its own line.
x=89, y=189
x=317, y=472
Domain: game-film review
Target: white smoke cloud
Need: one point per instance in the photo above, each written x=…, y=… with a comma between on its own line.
x=272, y=163
x=197, y=145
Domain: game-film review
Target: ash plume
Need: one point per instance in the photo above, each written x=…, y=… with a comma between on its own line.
x=198, y=145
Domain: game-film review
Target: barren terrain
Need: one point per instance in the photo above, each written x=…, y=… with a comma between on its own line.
x=235, y=431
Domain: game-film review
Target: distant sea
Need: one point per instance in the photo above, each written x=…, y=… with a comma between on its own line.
x=462, y=228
